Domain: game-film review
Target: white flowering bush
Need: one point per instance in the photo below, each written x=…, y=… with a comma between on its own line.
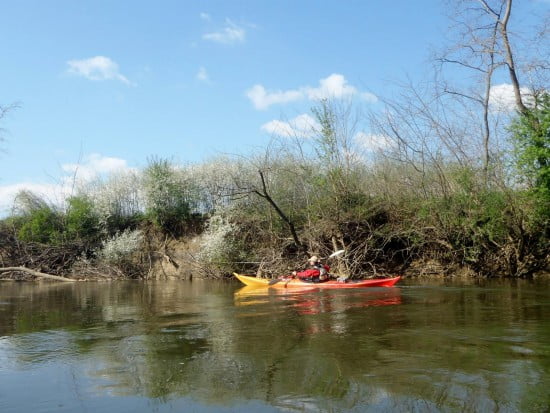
x=121, y=246
x=168, y=195
x=219, y=246
x=117, y=200
x=214, y=181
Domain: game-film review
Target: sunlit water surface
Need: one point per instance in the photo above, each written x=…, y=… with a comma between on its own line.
x=206, y=346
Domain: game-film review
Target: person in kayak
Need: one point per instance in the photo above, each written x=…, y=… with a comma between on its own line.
x=317, y=271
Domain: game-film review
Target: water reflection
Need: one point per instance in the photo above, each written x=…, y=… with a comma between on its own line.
x=213, y=345
x=310, y=301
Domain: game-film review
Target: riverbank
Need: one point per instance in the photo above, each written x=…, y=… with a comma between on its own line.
x=177, y=260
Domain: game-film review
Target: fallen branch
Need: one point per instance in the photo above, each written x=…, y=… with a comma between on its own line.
x=36, y=273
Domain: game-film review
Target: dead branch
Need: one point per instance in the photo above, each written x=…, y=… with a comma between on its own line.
x=36, y=273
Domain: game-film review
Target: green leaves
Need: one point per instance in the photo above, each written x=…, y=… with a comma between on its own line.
x=166, y=195
x=531, y=139
x=81, y=222
x=43, y=225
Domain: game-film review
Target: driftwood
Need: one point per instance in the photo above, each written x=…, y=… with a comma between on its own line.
x=36, y=273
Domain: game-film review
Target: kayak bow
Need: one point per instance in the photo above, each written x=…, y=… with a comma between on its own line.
x=296, y=283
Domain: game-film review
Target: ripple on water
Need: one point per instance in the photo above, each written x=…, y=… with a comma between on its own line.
x=26, y=350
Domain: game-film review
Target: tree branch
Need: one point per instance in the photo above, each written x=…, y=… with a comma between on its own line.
x=36, y=273
x=264, y=194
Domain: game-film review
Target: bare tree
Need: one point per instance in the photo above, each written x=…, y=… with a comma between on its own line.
x=474, y=51
x=428, y=131
x=484, y=36
x=501, y=15
x=268, y=167
x=480, y=48
x=4, y=111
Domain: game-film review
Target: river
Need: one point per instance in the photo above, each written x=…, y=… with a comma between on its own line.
x=211, y=346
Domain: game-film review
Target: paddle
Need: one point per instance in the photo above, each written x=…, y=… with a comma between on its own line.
x=334, y=254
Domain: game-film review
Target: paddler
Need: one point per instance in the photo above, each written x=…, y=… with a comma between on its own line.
x=316, y=272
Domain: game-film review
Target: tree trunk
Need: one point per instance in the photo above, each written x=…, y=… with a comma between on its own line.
x=36, y=273
x=510, y=58
x=264, y=194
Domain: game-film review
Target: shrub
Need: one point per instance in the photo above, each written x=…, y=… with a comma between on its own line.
x=35, y=220
x=166, y=196
x=42, y=225
x=116, y=202
x=120, y=247
x=219, y=245
x=81, y=221
x=531, y=138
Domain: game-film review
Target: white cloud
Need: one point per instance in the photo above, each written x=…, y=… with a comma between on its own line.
x=372, y=142
x=302, y=126
x=333, y=86
x=502, y=98
x=261, y=99
x=202, y=75
x=93, y=166
x=369, y=97
x=50, y=192
x=205, y=16
x=230, y=34
x=97, y=68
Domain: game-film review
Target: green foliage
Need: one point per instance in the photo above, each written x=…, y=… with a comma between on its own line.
x=167, y=197
x=81, y=222
x=472, y=218
x=531, y=138
x=42, y=225
x=39, y=222
x=35, y=220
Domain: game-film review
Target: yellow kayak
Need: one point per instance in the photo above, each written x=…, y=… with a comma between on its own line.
x=297, y=283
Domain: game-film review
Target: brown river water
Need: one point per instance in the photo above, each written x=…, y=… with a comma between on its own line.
x=211, y=346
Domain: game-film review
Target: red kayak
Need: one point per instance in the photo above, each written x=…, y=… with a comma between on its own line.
x=297, y=283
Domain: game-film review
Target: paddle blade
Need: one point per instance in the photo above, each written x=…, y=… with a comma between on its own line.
x=337, y=253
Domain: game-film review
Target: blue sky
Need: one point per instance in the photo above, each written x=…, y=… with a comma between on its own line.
x=107, y=84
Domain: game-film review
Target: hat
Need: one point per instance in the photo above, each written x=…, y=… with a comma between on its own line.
x=314, y=258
